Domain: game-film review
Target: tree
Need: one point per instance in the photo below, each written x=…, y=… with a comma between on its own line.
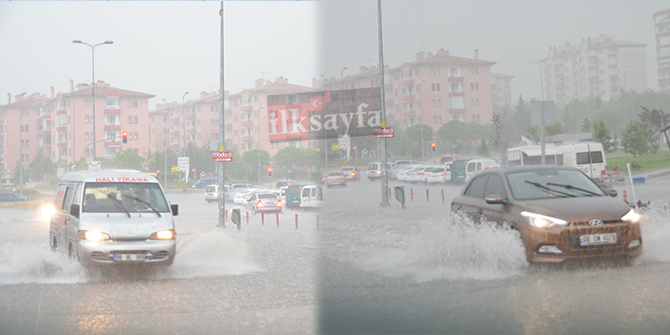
x=17, y=175
x=254, y=161
x=42, y=168
x=128, y=159
x=482, y=148
x=602, y=134
x=639, y=138
x=655, y=117
x=586, y=126
x=413, y=134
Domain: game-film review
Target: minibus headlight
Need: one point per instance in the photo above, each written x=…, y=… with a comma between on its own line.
x=167, y=234
x=92, y=235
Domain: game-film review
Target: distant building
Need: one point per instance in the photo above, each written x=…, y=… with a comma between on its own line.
x=61, y=127
x=662, y=27
x=431, y=90
x=501, y=89
x=245, y=119
x=600, y=66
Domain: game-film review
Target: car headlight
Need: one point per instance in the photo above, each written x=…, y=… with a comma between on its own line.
x=542, y=221
x=167, y=234
x=92, y=235
x=631, y=216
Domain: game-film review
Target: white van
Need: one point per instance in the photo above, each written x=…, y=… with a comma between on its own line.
x=477, y=165
x=113, y=217
x=587, y=157
x=311, y=196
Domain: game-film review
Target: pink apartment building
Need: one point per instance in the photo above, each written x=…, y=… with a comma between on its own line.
x=245, y=119
x=61, y=126
x=433, y=89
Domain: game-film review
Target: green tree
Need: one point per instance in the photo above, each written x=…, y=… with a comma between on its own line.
x=17, y=175
x=413, y=135
x=586, y=126
x=602, y=134
x=639, y=138
x=482, y=148
x=128, y=159
x=42, y=168
x=255, y=162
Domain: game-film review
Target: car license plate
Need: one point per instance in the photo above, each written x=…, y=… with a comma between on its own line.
x=597, y=239
x=129, y=257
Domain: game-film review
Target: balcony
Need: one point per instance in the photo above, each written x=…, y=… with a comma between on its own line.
x=112, y=144
x=457, y=94
x=112, y=110
x=455, y=78
x=457, y=110
x=111, y=126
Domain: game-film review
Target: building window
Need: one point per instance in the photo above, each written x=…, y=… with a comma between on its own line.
x=135, y=119
x=476, y=86
x=477, y=103
x=136, y=137
x=439, y=103
x=472, y=86
x=434, y=119
x=417, y=72
x=439, y=118
x=86, y=104
x=477, y=117
x=88, y=152
x=434, y=103
x=86, y=136
x=432, y=87
x=130, y=119
x=130, y=103
x=86, y=119
x=135, y=105
x=472, y=103
x=112, y=103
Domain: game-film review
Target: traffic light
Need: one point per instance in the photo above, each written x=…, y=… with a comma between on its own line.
x=158, y=174
x=432, y=146
x=354, y=147
x=193, y=170
x=269, y=171
x=125, y=137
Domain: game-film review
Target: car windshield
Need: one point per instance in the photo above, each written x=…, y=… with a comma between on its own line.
x=293, y=189
x=550, y=183
x=124, y=197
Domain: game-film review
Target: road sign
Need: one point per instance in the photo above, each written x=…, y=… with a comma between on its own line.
x=222, y=156
x=383, y=132
x=183, y=163
x=94, y=165
x=335, y=147
x=175, y=168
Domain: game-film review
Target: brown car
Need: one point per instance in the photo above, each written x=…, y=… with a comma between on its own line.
x=560, y=213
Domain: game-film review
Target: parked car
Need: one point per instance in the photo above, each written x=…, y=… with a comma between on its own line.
x=351, y=173
x=437, y=175
x=11, y=197
x=559, y=212
x=374, y=171
x=281, y=183
x=336, y=178
x=318, y=178
x=264, y=202
x=311, y=196
x=477, y=165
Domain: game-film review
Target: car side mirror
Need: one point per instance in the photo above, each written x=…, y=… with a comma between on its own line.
x=74, y=210
x=495, y=199
x=175, y=209
x=611, y=192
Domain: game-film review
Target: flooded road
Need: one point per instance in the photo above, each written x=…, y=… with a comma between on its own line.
x=364, y=269
x=414, y=271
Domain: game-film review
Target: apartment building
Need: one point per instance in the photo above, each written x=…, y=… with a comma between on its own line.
x=662, y=27
x=61, y=126
x=245, y=119
x=501, y=89
x=600, y=66
x=432, y=90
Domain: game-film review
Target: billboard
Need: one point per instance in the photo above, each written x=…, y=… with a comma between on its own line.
x=323, y=114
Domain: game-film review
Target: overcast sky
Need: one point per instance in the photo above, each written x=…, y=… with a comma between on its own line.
x=169, y=48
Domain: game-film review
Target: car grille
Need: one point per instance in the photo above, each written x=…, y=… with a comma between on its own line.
x=571, y=236
x=109, y=257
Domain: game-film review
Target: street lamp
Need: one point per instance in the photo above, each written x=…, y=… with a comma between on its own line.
x=421, y=119
x=624, y=108
x=183, y=110
x=93, y=79
x=342, y=99
x=544, y=158
x=167, y=118
x=259, y=145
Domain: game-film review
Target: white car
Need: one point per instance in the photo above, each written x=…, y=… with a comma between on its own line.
x=437, y=175
x=240, y=197
x=416, y=175
x=403, y=173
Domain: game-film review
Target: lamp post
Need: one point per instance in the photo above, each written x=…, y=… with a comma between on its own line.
x=21, y=154
x=342, y=100
x=93, y=80
x=544, y=158
x=183, y=110
x=258, y=149
x=624, y=108
x=167, y=118
x=421, y=119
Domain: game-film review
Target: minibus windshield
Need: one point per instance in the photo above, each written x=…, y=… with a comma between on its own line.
x=124, y=197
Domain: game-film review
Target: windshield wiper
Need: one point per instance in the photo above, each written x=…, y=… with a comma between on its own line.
x=556, y=192
x=148, y=204
x=570, y=187
x=118, y=203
